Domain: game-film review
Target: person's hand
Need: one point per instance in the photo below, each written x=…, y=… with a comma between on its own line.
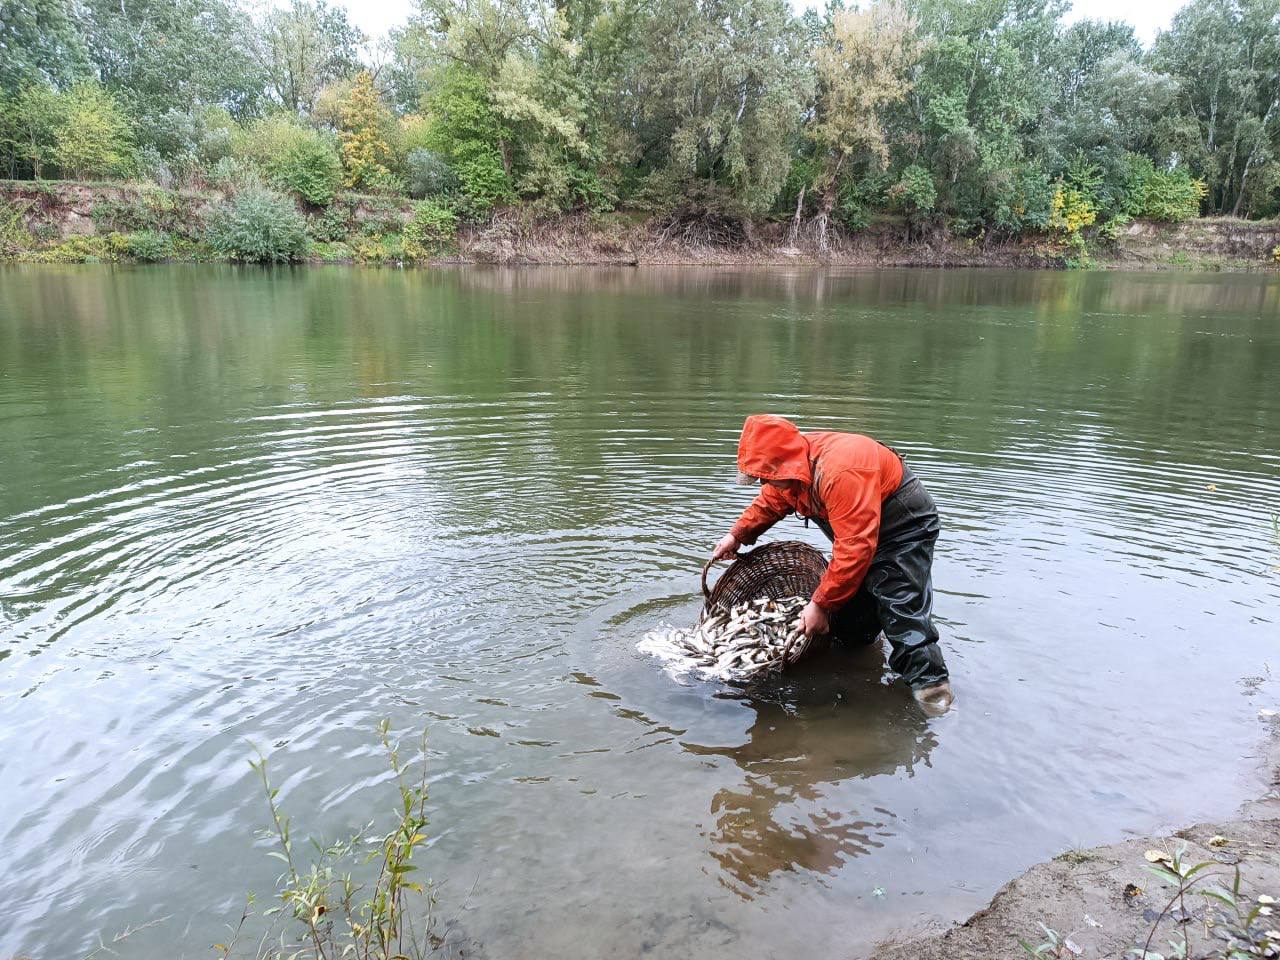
x=935, y=699
x=726, y=548
x=814, y=620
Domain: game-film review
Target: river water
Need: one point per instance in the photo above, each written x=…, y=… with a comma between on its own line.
x=245, y=508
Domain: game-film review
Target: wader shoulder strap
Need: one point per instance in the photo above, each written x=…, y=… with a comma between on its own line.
x=815, y=480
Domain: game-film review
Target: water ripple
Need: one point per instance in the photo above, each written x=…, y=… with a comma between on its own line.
x=459, y=499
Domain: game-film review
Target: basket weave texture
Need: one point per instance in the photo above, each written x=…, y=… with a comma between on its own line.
x=787, y=568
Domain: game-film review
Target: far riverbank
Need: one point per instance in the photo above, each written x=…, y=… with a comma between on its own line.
x=73, y=222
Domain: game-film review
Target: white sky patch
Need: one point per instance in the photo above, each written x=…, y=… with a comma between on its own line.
x=376, y=17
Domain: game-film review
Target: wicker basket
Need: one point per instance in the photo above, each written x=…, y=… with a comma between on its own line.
x=787, y=568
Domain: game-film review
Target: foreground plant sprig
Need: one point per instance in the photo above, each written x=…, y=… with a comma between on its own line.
x=341, y=917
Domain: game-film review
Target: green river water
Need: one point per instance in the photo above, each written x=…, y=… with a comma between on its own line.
x=269, y=507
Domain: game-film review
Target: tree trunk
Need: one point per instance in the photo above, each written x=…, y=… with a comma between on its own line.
x=793, y=237
x=824, y=219
x=1244, y=177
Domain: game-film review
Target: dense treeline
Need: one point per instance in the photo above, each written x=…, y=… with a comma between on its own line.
x=988, y=117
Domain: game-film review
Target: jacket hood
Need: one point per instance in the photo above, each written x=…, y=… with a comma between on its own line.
x=772, y=448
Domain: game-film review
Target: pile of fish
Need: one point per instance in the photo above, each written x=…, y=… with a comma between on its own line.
x=745, y=641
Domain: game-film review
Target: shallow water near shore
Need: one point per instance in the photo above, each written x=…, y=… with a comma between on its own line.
x=269, y=507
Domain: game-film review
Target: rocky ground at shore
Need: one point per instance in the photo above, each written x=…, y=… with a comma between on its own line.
x=1104, y=902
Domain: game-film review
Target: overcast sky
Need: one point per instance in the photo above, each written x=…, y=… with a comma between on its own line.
x=375, y=17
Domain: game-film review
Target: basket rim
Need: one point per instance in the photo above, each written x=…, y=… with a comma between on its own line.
x=772, y=547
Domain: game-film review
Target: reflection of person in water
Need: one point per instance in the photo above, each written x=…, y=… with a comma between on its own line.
x=806, y=739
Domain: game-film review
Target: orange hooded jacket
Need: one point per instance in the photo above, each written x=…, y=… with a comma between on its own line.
x=844, y=478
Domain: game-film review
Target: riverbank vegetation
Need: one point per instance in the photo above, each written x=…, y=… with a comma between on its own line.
x=717, y=120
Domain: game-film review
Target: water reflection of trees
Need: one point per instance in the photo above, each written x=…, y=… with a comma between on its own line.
x=675, y=357
x=811, y=734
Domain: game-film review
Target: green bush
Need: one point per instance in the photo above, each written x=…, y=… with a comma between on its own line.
x=310, y=168
x=331, y=224
x=914, y=194
x=378, y=249
x=267, y=138
x=1137, y=170
x=153, y=209
x=1109, y=232
x=82, y=130
x=330, y=252
x=14, y=235
x=233, y=174
x=375, y=216
x=485, y=183
x=259, y=226
x=856, y=197
x=75, y=249
x=384, y=181
x=432, y=229
x=1170, y=195
x=295, y=158
x=429, y=174
x=92, y=137
x=149, y=246
x=1024, y=201
x=466, y=128
x=28, y=124
x=1173, y=195
x=215, y=133
x=148, y=165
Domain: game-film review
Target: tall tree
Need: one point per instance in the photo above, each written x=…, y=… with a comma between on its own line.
x=365, y=129
x=40, y=42
x=545, y=73
x=478, y=35
x=29, y=122
x=862, y=68
x=1226, y=57
x=304, y=47
x=1105, y=104
x=91, y=137
x=164, y=59
x=981, y=94
x=720, y=88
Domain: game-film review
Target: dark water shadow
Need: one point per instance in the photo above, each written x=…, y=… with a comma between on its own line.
x=837, y=720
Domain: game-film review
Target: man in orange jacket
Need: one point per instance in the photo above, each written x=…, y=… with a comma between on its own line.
x=882, y=524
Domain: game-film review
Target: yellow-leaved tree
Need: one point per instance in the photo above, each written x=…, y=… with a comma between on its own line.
x=863, y=67
x=365, y=125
